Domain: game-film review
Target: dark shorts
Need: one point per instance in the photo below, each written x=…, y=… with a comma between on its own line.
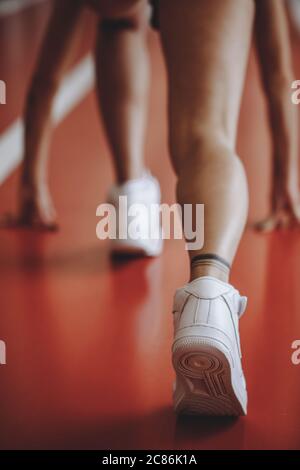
x=155, y=14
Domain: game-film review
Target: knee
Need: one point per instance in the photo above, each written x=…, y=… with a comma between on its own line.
x=135, y=18
x=194, y=147
x=42, y=89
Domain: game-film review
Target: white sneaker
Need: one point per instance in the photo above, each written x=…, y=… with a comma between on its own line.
x=142, y=191
x=206, y=349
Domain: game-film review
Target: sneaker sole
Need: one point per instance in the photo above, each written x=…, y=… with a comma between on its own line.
x=204, y=380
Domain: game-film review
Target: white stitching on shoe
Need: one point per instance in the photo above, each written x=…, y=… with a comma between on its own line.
x=234, y=328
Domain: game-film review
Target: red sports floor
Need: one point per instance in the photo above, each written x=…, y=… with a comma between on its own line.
x=88, y=340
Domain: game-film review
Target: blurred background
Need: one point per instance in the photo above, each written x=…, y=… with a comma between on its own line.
x=84, y=333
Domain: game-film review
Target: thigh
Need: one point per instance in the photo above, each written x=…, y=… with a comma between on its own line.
x=206, y=45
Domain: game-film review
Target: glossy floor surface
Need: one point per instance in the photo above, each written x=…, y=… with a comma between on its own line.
x=88, y=339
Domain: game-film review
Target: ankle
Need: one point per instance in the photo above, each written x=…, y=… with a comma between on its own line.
x=211, y=271
x=210, y=265
x=129, y=175
x=33, y=182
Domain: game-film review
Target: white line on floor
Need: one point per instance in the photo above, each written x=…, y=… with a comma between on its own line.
x=11, y=7
x=77, y=84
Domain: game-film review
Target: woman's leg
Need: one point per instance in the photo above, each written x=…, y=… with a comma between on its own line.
x=122, y=82
x=276, y=66
x=206, y=46
x=35, y=205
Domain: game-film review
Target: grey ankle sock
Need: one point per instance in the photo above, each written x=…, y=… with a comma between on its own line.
x=211, y=259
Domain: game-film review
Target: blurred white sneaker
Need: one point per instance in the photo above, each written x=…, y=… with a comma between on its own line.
x=206, y=351
x=137, y=199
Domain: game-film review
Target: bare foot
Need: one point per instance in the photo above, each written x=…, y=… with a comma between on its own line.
x=36, y=211
x=277, y=221
x=285, y=215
